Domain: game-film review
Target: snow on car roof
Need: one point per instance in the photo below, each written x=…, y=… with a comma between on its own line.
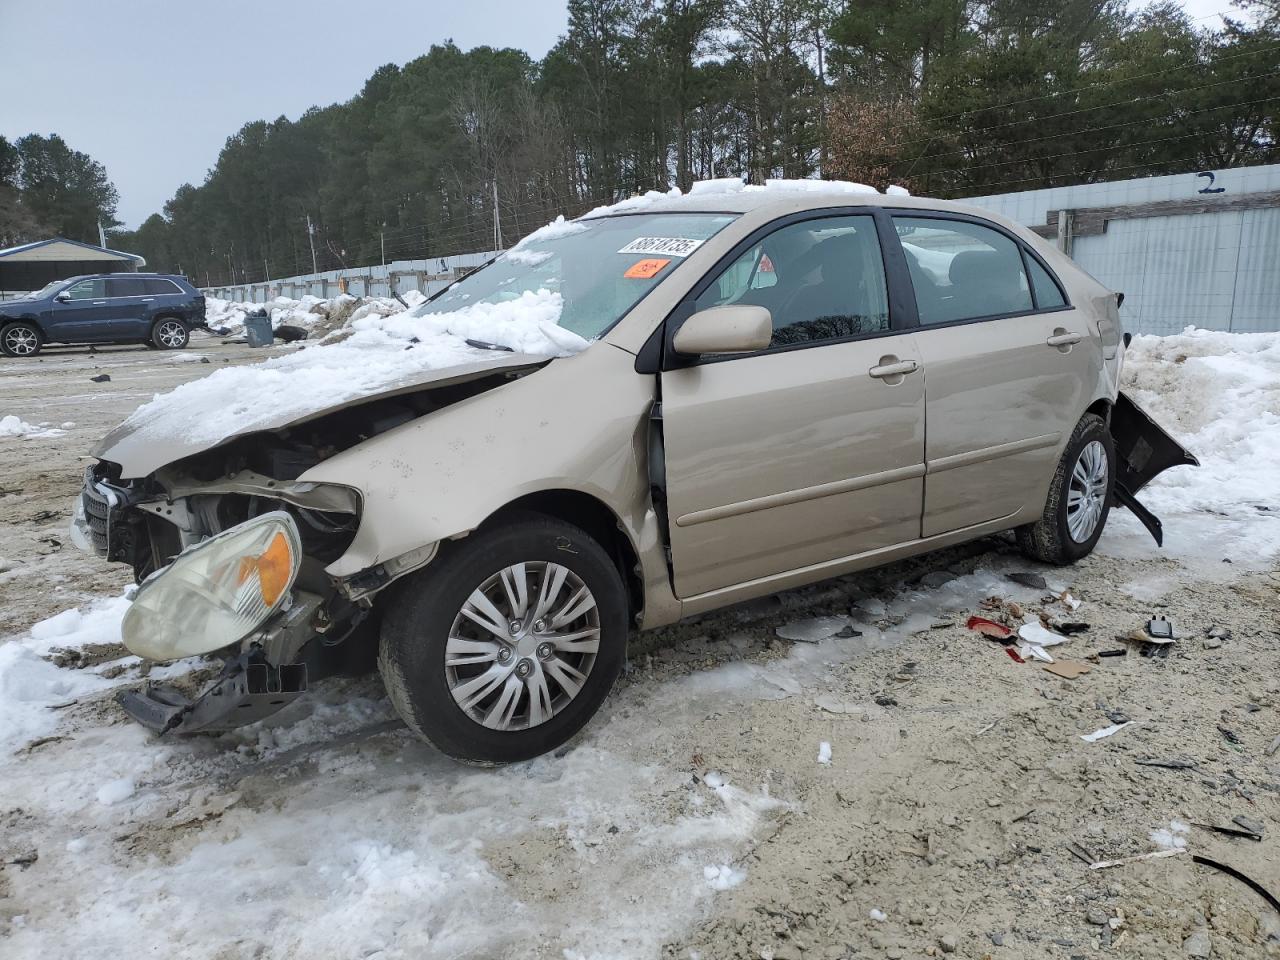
x=733, y=195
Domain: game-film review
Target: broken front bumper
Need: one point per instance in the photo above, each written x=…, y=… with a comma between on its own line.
x=248, y=689
x=1143, y=450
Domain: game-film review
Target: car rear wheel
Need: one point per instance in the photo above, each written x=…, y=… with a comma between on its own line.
x=20, y=340
x=170, y=334
x=1079, y=497
x=506, y=645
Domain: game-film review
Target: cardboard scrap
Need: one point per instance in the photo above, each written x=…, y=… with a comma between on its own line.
x=1067, y=669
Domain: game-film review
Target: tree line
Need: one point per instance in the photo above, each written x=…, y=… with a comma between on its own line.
x=947, y=97
x=48, y=189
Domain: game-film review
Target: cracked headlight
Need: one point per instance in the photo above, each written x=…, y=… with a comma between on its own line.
x=216, y=593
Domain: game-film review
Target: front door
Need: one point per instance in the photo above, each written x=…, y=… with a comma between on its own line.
x=85, y=316
x=1009, y=365
x=812, y=450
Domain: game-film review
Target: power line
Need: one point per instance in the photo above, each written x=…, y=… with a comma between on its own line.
x=1082, y=133
x=1107, y=83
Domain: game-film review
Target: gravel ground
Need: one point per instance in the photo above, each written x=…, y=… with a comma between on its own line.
x=944, y=823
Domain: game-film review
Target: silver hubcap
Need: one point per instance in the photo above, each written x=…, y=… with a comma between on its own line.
x=171, y=334
x=522, y=646
x=21, y=342
x=1087, y=494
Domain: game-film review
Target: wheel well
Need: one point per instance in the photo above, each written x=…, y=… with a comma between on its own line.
x=599, y=522
x=25, y=321
x=1102, y=408
x=168, y=316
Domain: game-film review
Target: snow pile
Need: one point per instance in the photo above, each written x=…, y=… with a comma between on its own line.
x=30, y=684
x=308, y=313
x=14, y=426
x=1218, y=394
x=381, y=353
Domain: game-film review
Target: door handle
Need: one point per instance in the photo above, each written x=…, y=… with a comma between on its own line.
x=895, y=368
x=1061, y=338
x=147, y=299
x=99, y=303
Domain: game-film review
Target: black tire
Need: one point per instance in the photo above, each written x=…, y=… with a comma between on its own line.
x=1050, y=539
x=149, y=345
x=170, y=333
x=421, y=614
x=20, y=339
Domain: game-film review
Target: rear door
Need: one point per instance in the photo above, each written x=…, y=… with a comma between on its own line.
x=810, y=451
x=130, y=303
x=1010, y=362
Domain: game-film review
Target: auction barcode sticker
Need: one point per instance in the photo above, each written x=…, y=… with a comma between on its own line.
x=668, y=246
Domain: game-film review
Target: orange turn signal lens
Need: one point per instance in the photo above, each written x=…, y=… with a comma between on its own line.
x=272, y=566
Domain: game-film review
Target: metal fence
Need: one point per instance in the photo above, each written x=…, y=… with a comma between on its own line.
x=1198, y=249
x=402, y=276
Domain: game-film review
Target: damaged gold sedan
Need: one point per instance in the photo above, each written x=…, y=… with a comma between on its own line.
x=659, y=409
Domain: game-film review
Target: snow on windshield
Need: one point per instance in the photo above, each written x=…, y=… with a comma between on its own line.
x=381, y=354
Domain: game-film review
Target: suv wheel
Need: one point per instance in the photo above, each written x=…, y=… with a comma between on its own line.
x=170, y=334
x=504, y=648
x=20, y=339
x=1079, y=497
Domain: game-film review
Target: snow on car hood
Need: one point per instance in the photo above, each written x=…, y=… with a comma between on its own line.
x=383, y=356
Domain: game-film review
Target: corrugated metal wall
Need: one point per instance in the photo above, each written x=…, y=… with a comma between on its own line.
x=1219, y=270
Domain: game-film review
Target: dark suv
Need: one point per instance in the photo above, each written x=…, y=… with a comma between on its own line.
x=156, y=309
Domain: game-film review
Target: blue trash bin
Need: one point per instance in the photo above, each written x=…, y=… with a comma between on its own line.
x=257, y=329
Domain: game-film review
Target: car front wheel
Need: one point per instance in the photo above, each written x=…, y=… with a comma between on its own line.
x=507, y=643
x=20, y=339
x=170, y=334
x=1079, y=497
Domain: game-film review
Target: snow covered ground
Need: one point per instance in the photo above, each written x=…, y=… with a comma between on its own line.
x=328, y=832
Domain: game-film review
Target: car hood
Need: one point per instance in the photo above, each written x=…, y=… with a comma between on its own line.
x=161, y=433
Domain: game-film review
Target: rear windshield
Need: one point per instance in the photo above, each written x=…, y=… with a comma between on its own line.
x=600, y=268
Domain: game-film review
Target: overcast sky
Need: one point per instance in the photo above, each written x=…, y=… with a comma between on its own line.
x=152, y=89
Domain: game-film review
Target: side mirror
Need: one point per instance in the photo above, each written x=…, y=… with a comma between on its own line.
x=736, y=328
x=63, y=297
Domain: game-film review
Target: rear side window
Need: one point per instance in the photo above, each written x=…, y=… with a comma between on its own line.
x=126, y=287
x=1048, y=294
x=962, y=271
x=819, y=279
x=157, y=286
x=88, y=290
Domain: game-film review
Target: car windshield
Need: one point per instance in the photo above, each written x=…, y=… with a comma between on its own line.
x=594, y=270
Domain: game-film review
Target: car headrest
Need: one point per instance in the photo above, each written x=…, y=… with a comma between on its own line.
x=974, y=267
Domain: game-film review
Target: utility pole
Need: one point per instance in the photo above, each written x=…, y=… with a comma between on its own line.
x=497, y=219
x=311, y=235
x=266, y=273
x=231, y=269
x=382, y=239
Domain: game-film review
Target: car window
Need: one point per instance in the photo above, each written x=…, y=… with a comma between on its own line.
x=1048, y=293
x=126, y=287
x=820, y=280
x=961, y=270
x=87, y=290
x=157, y=286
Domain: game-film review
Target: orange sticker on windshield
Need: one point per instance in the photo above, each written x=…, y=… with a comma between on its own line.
x=644, y=269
